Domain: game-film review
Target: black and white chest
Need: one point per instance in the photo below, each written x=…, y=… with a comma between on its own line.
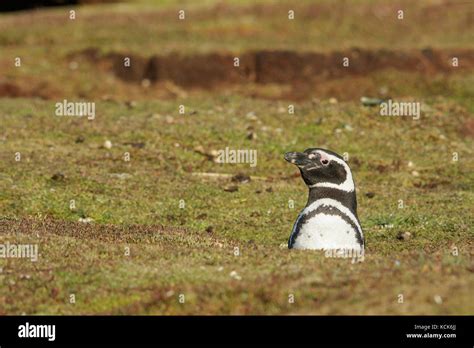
x=326, y=224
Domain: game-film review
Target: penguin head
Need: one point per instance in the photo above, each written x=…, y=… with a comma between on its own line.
x=322, y=168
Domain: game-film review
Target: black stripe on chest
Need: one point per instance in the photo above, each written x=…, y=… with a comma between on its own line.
x=328, y=210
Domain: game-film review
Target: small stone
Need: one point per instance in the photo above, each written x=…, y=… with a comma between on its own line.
x=131, y=104
x=211, y=155
x=332, y=101
x=252, y=136
x=404, y=236
x=251, y=116
x=86, y=220
x=415, y=173
x=231, y=188
x=138, y=145
x=438, y=299
x=108, y=144
x=235, y=275
x=58, y=176
x=200, y=149
x=367, y=101
x=121, y=176
x=241, y=178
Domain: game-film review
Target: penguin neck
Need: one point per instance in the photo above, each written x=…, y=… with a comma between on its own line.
x=348, y=199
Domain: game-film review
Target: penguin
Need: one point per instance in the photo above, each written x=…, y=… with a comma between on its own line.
x=329, y=220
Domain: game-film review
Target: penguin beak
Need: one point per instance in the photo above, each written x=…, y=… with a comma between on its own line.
x=298, y=158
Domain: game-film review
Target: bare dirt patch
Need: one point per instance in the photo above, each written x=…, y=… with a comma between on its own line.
x=281, y=67
x=26, y=89
x=299, y=75
x=269, y=74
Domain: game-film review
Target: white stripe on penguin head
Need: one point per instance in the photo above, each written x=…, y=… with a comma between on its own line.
x=347, y=185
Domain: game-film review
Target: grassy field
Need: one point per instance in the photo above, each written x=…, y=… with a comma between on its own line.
x=164, y=236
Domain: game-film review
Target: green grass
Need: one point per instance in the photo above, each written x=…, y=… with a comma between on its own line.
x=190, y=251
x=153, y=26
x=161, y=174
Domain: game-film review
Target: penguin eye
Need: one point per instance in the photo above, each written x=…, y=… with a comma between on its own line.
x=325, y=162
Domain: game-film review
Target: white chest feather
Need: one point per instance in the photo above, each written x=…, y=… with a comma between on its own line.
x=326, y=232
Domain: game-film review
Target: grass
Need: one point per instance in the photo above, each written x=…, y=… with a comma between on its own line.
x=153, y=26
x=436, y=209
x=191, y=251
